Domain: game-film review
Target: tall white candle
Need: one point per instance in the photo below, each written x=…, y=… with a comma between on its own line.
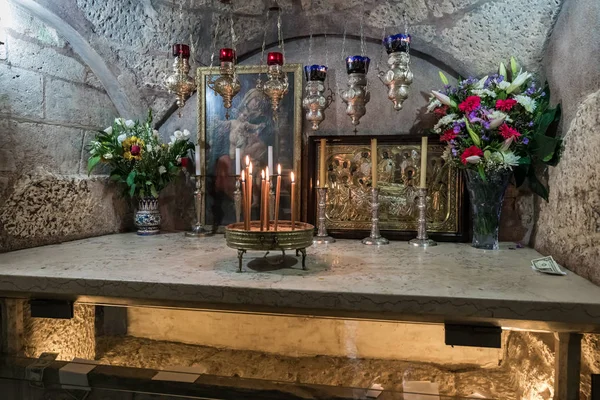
x=238, y=161
x=270, y=160
x=197, y=159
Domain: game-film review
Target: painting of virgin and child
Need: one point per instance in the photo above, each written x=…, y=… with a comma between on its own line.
x=250, y=126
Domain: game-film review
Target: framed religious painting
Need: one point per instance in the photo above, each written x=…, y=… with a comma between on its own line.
x=248, y=128
x=348, y=173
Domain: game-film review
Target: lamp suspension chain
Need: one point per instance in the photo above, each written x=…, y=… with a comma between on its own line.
x=264, y=43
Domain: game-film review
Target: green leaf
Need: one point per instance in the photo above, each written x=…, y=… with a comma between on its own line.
x=481, y=172
x=92, y=162
x=520, y=174
x=131, y=178
x=132, y=190
x=513, y=66
x=502, y=95
x=557, y=154
x=536, y=186
x=443, y=78
x=525, y=160
x=115, y=177
x=472, y=134
x=487, y=154
x=153, y=192
x=544, y=147
x=502, y=70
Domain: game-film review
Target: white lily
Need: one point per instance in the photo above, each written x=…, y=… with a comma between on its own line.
x=156, y=133
x=108, y=130
x=433, y=104
x=521, y=78
x=503, y=85
x=107, y=156
x=120, y=121
x=121, y=138
x=148, y=147
x=443, y=98
x=502, y=70
x=162, y=169
x=473, y=159
x=173, y=140
x=496, y=119
x=506, y=144
x=186, y=133
x=129, y=123
x=481, y=83
x=178, y=134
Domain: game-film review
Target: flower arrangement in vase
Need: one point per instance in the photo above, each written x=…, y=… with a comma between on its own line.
x=141, y=163
x=495, y=127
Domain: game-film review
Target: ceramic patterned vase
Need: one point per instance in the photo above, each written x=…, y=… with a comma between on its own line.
x=486, y=197
x=147, y=217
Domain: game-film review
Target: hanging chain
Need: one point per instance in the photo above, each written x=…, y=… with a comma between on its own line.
x=344, y=41
x=310, y=46
x=362, y=29
x=233, y=41
x=279, y=34
x=406, y=33
x=378, y=66
x=214, y=46
x=262, y=54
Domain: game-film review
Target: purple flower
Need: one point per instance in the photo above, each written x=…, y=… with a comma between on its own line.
x=456, y=128
x=530, y=90
x=525, y=140
x=485, y=138
x=486, y=124
x=454, y=152
x=530, y=123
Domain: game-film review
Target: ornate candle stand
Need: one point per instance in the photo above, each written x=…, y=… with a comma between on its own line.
x=422, y=240
x=237, y=200
x=375, y=238
x=198, y=229
x=357, y=96
x=322, y=236
x=272, y=201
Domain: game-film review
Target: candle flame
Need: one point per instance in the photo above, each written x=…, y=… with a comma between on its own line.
x=278, y=169
x=262, y=173
x=243, y=175
x=247, y=160
x=292, y=176
x=250, y=169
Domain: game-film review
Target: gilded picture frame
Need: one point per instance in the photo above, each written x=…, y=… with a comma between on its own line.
x=348, y=213
x=251, y=124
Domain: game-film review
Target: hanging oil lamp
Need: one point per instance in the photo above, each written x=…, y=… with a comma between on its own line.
x=227, y=84
x=179, y=82
x=277, y=84
x=314, y=101
x=398, y=77
x=356, y=96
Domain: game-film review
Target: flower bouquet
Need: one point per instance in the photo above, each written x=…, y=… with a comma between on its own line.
x=141, y=163
x=496, y=126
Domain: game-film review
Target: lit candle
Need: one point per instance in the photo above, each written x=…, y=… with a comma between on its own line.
x=322, y=164
x=423, y=171
x=244, y=200
x=250, y=183
x=277, y=194
x=270, y=158
x=197, y=159
x=262, y=200
x=238, y=161
x=267, y=191
x=374, y=162
x=293, y=197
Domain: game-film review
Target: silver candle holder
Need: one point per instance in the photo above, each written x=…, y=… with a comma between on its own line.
x=237, y=200
x=198, y=228
x=422, y=240
x=322, y=236
x=375, y=237
x=272, y=199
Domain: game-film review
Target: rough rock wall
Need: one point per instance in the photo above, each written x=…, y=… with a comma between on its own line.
x=49, y=108
x=568, y=226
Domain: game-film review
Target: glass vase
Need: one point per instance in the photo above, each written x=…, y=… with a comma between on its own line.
x=147, y=217
x=486, y=198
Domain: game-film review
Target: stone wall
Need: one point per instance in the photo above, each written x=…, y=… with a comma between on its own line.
x=568, y=226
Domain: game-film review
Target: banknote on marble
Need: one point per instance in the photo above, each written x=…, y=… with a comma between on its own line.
x=547, y=265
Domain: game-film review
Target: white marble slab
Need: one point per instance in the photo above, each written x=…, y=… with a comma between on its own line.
x=447, y=282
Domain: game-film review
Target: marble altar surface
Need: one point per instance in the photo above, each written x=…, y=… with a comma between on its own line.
x=450, y=282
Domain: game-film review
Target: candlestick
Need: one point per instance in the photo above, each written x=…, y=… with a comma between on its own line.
x=245, y=201
x=198, y=228
x=293, y=200
x=375, y=237
x=237, y=200
x=423, y=171
x=238, y=161
x=322, y=164
x=422, y=240
x=322, y=236
x=267, y=191
x=262, y=202
x=250, y=184
x=197, y=159
x=277, y=194
x=374, y=163
x=270, y=158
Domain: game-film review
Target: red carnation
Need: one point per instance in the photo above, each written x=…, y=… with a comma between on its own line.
x=441, y=111
x=448, y=136
x=184, y=162
x=505, y=105
x=471, y=151
x=471, y=103
x=135, y=150
x=507, y=132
